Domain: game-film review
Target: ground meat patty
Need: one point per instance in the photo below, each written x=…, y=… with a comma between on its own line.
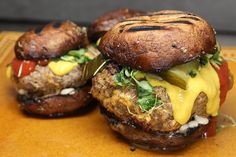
x=123, y=103
x=43, y=82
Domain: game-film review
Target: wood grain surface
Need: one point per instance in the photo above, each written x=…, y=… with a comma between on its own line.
x=87, y=134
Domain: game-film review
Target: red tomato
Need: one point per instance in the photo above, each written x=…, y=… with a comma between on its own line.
x=223, y=73
x=22, y=68
x=211, y=130
x=43, y=62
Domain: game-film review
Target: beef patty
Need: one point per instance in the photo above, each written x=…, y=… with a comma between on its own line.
x=43, y=82
x=122, y=102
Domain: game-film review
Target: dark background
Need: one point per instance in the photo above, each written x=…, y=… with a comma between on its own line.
x=19, y=15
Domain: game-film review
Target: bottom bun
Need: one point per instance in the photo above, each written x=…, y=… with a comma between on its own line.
x=58, y=105
x=157, y=141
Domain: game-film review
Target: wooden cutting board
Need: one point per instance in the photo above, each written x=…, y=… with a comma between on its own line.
x=87, y=134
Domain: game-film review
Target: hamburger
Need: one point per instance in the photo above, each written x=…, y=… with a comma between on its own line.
x=165, y=80
x=106, y=21
x=50, y=69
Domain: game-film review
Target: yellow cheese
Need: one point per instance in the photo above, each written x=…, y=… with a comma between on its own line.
x=61, y=67
x=182, y=101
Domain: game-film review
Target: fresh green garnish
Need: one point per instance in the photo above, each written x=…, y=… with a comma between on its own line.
x=192, y=73
x=146, y=96
x=77, y=56
x=214, y=58
x=148, y=102
x=145, y=87
x=203, y=60
x=68, y=58
x=121, y=79
x=77, y=53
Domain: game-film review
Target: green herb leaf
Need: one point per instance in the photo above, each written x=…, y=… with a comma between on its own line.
x=82, y=59
x=77, y=53
x=127, y=72
x=146, y=96
x=142, y=92
x=203, y=60
x=77, y=56
x=216, y=58
x=146, y=103
x=192, y=73
x=118, y=79
x=68, y=58
x=145, y=86
x=121, y=79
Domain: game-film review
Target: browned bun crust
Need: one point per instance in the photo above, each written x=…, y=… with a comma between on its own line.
x=50, y=41
x=157, y=141
x=158, y=40
x=105, y=22
x=58, y=105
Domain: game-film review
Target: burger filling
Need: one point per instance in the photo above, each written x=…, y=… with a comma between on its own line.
x=61, y=76
x=180, y=98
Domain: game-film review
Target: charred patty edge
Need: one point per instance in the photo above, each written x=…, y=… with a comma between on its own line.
x=57, y=105
x=158, y=141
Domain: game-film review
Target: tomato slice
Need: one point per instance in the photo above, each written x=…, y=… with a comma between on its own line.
x=211, y=129
x=223, y=73
x=22, y=68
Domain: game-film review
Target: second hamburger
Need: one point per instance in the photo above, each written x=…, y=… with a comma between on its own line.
x=50, y=71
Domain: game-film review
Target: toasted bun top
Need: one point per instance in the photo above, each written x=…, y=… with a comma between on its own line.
x=158, y=40
x=50, y=41
x=105, y=22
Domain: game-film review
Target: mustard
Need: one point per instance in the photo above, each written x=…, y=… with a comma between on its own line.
x=61, y=67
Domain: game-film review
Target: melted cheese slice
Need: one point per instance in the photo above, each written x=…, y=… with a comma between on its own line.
x=206, y=81
x=61, y=67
